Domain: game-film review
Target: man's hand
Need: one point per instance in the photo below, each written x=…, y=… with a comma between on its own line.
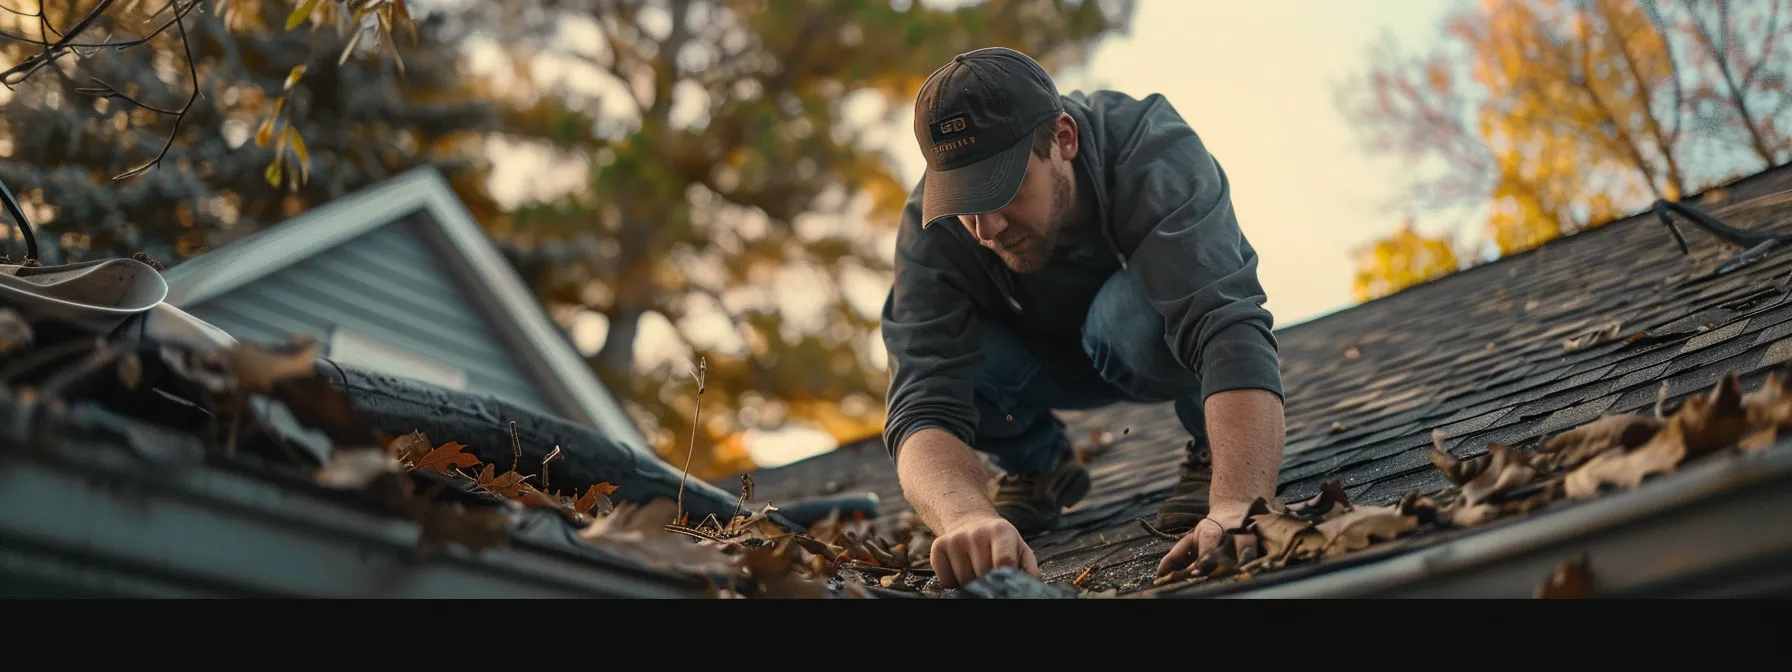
x=1205, y=537
x=946, y=483
x=976, y=545
x=1245, y=428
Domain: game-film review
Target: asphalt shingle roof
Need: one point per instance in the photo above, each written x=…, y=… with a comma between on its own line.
x=1511, y=351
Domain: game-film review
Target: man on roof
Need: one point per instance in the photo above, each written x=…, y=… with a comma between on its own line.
x=1068, y=251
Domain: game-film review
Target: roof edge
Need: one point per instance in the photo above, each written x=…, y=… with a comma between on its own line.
x=276, y=247
x=519, y=304
x=422, y=188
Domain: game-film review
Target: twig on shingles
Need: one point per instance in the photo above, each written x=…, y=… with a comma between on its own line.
x=862, y=566
x=516, y=441
x=711, y=518
x=702, y=375
x=1157, y=532
x=1096, y=566
x=544, y=467
x=746, y=493
x=695, y=532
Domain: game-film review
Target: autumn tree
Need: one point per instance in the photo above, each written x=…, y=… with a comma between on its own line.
x=1401, y=260
x=174, y=127
x=736, y=189
x=1560, y=115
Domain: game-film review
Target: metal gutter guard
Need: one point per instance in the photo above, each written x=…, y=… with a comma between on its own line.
x=94, y=520
x=1716, y=529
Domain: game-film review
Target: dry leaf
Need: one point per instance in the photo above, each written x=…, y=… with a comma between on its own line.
x=1460, y=515
x=1364, y=526
x=1715, y=421
x=474, y=528
x=1570, y=580
x=445, y=456
x=1627, y=470
x=1573, y=448
x=356, y=468
x=774, y=568
x=1505, y=470
x=1424, y=508
x=596, y=498
x=1702, y=425
x=1759, y=440
x=527, y=495
x=1458, y=471
x=1331, y=502
x=258, y=369
x=638, y=532
x=409, y=448
x=1771, y=405
x=1283, y=536
x=508, y=485
x=816, y=546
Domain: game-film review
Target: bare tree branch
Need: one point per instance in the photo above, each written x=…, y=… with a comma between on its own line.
x=193, y=70
x=1767, y=43
x=55, y=50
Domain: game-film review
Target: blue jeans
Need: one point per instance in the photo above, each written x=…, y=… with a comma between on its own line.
x=1124, y=337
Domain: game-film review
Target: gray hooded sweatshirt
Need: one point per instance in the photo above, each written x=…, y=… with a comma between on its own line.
x=1162, y=210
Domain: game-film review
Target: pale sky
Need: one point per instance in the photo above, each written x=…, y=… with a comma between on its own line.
x=1255, y=80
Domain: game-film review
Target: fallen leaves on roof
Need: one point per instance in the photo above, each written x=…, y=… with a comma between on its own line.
x=1614, y=452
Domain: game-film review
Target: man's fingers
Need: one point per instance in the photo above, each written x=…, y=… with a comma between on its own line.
x=1179, y=555
x=983, y=556
x=1027, y=561
x=941, y=559
x=963, y=564
x=1005, y=555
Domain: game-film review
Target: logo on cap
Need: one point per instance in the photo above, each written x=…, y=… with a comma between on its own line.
x=950, y=126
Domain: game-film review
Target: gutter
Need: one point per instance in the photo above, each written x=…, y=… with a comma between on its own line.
x=1714, y=529
x=94, y=519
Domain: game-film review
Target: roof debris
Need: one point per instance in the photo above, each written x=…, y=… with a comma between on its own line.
x=1613, y=452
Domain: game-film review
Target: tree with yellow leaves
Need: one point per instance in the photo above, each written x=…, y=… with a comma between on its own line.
x=1560, y=115
x=1401, y=260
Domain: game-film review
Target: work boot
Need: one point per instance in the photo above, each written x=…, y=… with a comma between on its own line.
x=1187, y=504
x=1034, y=502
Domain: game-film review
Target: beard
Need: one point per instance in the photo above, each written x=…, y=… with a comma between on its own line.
x=1026, y=251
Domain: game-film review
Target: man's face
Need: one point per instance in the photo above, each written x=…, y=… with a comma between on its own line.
x=1024, y=232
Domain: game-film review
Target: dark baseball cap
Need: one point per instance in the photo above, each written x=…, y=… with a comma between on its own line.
x=974, y=121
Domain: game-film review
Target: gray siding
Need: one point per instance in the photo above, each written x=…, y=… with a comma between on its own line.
x=389, y=286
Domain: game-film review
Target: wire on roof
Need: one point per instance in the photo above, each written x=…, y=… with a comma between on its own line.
x=1755, y=244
